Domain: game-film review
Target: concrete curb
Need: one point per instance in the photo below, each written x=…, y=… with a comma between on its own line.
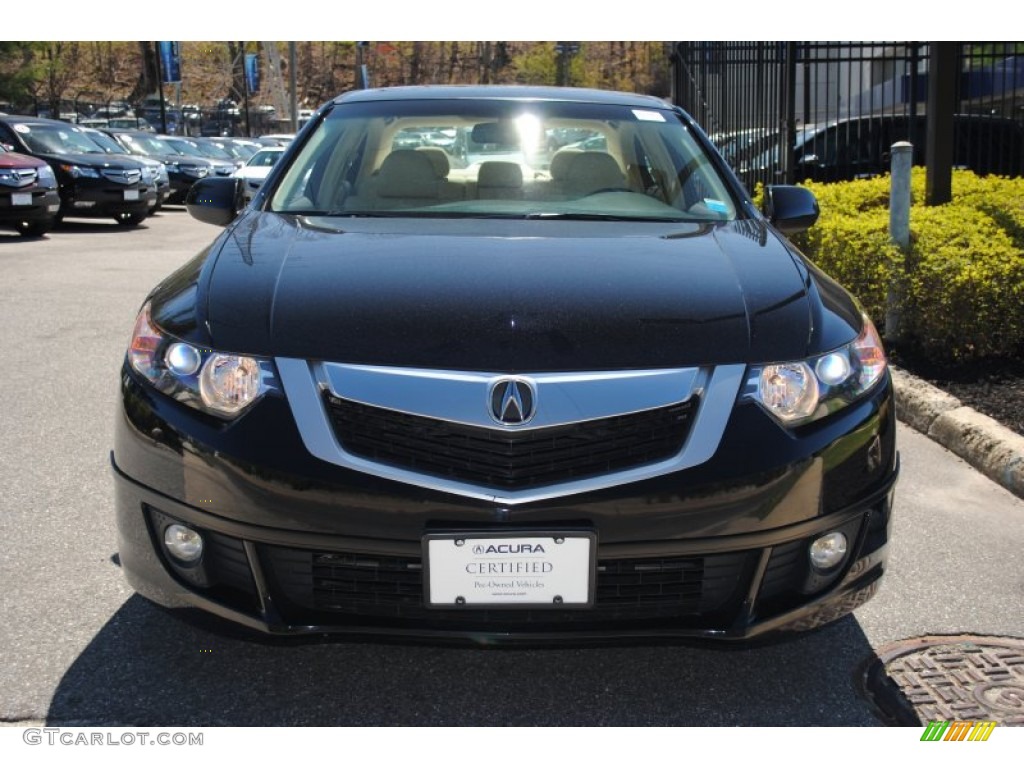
x=981, y=441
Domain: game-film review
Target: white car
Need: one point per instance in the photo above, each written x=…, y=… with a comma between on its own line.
x=257, y=168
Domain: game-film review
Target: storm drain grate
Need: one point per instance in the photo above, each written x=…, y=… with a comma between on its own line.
x=948, y=678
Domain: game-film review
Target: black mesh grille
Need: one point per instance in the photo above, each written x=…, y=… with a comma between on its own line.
x=510, y=460
x=391, y=588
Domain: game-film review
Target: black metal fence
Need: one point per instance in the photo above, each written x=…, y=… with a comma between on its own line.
x=788, y=111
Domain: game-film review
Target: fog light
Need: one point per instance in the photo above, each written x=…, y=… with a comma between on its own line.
x=183, y=543
x=828, y=551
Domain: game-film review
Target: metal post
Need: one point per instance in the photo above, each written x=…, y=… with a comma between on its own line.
x=362, y=74
x=899, y=227
x=294, y=105
x=789, y=114
x=942, y=87
x=160, y=85
x=245, y=93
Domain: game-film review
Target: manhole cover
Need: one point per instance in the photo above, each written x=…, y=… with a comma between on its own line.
x=953, y=677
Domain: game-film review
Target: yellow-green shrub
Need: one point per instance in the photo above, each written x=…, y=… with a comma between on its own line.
x=962, y=282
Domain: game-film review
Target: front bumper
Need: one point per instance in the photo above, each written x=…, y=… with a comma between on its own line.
x=45, y=204
x=99, y=198
x=716, y=551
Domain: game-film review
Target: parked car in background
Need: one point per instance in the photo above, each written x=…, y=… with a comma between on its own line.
x=92, y=183
x=859, y=147
x=29, y=200
x=182, y=170
x=221, y=163
x=154, y=171
x=592, y=396
x=130, y=124
x=239, y=150
x=276, y=139
x=255, y=171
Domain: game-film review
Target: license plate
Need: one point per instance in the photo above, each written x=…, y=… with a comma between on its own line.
x=21, y=198
x=535, y=570
x=131, y=194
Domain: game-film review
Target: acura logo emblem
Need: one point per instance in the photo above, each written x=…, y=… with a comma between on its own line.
x=513, y=401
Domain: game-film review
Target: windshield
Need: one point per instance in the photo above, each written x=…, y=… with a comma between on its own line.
x=237, y=151
x=195, y=148
x=146, y=145
x=265, y=158
x=57, y=139
x=504, y=158
x=106, y=143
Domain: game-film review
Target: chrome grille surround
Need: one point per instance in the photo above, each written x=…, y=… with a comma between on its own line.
x=122, y=176
x=18, y=177
x=462, y=397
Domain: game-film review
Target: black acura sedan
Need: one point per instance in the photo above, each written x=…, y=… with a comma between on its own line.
x=504, y=390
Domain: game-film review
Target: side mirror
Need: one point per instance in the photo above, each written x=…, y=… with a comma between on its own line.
x=216, y=201
x=812, y=160
x=790, y=209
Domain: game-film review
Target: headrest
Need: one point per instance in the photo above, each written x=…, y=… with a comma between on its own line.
x=560, y=162
x=439, y=158
x=500, y=174
x=407, y=173
x=591, y=171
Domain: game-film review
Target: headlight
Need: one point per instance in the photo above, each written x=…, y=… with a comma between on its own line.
x=81, y=171
x=215, y=382
x=47, y=177
x=195, y=171
x=172, y=167
x=801, y=391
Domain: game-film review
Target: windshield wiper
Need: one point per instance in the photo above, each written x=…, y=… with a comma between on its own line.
x=601, y=217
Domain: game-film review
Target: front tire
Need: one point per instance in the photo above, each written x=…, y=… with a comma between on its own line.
x=34, y=228
x=130, y=219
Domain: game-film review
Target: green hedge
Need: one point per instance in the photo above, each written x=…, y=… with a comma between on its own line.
x=962, y=282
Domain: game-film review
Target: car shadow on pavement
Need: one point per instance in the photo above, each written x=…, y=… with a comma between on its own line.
x=93, y=227
x=148, y=667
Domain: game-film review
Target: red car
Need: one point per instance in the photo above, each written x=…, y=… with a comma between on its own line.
x=29, y=200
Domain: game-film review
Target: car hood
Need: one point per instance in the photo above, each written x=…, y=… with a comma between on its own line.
x=17, y=160
x=99, y=160
x=499, y=295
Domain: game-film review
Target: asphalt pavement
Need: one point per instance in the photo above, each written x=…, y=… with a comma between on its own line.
x=79, y=647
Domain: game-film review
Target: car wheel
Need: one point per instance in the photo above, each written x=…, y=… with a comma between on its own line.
x=35, y=228
x=130, y=219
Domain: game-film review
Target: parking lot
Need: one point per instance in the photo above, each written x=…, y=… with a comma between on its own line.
x=81, y=648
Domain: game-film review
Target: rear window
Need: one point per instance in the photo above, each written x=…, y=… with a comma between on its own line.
x=504, y=158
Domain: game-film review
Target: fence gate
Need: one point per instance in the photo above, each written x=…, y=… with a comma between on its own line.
x=788, y=111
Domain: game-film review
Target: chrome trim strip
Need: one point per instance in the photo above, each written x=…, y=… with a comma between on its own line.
x=717, y=389
x=465, y=398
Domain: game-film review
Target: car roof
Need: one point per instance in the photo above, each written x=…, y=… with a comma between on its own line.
x=504, y=92
x=32, y=120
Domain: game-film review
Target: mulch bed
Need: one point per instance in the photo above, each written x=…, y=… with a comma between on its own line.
x=993, y=387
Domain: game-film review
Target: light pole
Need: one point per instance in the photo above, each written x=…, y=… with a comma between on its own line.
x=565, y=50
